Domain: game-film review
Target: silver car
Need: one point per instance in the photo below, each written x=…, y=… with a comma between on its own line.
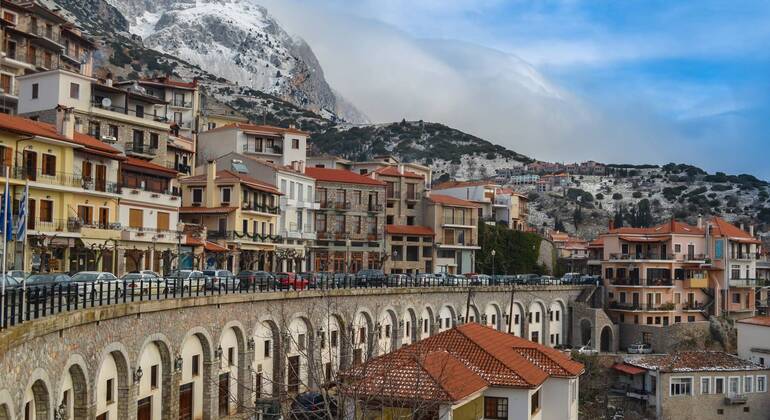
x=95, y=283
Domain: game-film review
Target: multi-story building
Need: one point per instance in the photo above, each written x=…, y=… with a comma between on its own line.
x=282, y=146
x=495, y=204
x=329, y=162
x=703, y=384
x=677, y=273
x=595, y=256
x=149, y=214
x=511, y=209
x=408, y=240
x=73, y=200
x=214, y=114
x=350, y=222
x=455, y=223
x=35, y=38
x=134, y=121
x=297, y=206
x=238, y=212
x=390, y=161
x=754, y=339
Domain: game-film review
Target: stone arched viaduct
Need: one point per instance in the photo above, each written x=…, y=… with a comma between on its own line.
x=249, y=338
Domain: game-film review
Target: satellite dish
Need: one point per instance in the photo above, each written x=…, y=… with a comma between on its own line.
x=106, y=102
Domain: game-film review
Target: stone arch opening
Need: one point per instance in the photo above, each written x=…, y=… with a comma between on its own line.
x=411, y=329
x=362, y=337
x=556, y=322
x=536, y=321
x=426, y=322
x=332, y=347
x=40, y=401
x=111, y=389
x=74, y=392
x=386, y=328
x=606, y=339
x=516, y=319
x=267, y=365
x=5, y=412
x=491, y=316
x=472, y=315
x=585, y=332
x=299, y=355
x=196, y=355
x=231, y=369
x=154, y=387
x=446, y=318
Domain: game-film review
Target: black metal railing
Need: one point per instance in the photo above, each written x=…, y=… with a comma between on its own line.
x=264, y=208
x=63, y=178
x=23, y=303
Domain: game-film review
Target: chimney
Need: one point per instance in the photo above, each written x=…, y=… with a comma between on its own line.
x=743, y=227
x=211, y=174
x=301, y=166
x=612, y=224
x=65, y=122
x=700, y=221
x=751, y=230
x=400, y=169
x=108, y=82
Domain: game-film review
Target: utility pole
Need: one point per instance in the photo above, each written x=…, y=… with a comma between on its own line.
x=468, y=305
x=510, y=308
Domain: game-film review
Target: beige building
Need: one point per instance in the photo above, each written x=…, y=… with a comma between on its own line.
x=754, y=339
x=697, y=384
x=455, y=223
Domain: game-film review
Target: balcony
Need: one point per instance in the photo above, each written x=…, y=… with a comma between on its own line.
x=261, y=208
x=746, y=282
x=736, y=399
x=142, y=149
x=71, y=225
x=641, y=256
x=64, y=179
x=471, y=222
x=147, y=194
x=743, y=256
x=696, y=283
x=625, y=306
x=268, y=150
x=145, y=234
x=374, y=208
x=181, y=104
x=693, y=306
x=232, y=235
x=634, y=282
x=179, y=167
x=130, y=112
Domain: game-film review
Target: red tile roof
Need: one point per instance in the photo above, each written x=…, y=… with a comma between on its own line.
x=28, y=127
x=628, y=369
x=267, y=129
x=393, y=171
x=692, y=361
x=206, y=210
x=458, y=184
x=207, y=245
x=597, y=243
x=227, y=175
x=451, y=201
x=672, y=227
x=409, y=230
x=135, y=163
x=763, y=321
x=341, y=176
x=459, y=362
x=721, y=228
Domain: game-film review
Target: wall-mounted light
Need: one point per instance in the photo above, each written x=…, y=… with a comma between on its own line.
x=250, y=343
x=218, y=352
x=138, y=375
x=178, y=363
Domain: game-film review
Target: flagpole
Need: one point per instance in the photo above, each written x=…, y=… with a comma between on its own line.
x=22, y=237
x=5, y=245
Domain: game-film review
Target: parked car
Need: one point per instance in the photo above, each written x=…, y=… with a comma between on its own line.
x=10, y=282
x=530, y=279
x=588, y=351
x=343, y=279
x=370, y=277
x=145, y=283
x=39, y=286
x=313, y=406
x=640, y=348
x=426, y=279
x=18, y=274
x=220, y=280
x=399, y=280
x=480, y=280
x=97, y=284
x=186, y=281
x=549, y=280
x=570, y=278
x=255, y=280
x=290, y=281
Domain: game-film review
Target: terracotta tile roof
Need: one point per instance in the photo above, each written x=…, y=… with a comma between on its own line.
x=207, y=210
x=458, y=184
x=227, y=175
x=36, y=128
x=557, y=236
x=459, y=362
x=673, y=226
x=165, y=81
x=267, y=129
x=721, y=228
x=692, y=361
x=207, y=245
x=341, y=176
x=393, y=171
x=628, y=369
x=451, y=201
x=597, y=243
x=409, y=230
x=135, y=163
x=763, y=321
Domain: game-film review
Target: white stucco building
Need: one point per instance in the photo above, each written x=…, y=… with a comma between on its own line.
x=754, y=339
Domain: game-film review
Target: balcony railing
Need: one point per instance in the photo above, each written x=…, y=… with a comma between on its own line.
x=264, y=208
x=734, y=399
x=642, y=256
x=181, y=104
x=72, y=225
x=64, y=179
x=373, y=208
x=174, y=191
x=626, y=306
x=623, y=281
x=233, y=235
x=747, y=282
x=129, y=111
x=142, y=149
x=250, y=148
x=462, y=222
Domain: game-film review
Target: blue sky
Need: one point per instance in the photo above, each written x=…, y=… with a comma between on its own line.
x=691, y=79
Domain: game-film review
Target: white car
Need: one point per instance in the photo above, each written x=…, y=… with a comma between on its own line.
x=640, y=348
x=98, y=284
x=588, y=351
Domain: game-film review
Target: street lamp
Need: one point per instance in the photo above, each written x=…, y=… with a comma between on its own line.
x=179, y=230
x=493, y=263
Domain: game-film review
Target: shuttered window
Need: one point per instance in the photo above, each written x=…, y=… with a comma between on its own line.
x=135, y=218
x=163, y=218
x=49, y=165
x=86, y=214
x=46, y=211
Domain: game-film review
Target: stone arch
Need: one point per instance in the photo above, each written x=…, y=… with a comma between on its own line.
x=606, y=339
x=38, y=395
x=427, y=321
x=6, y=406
x=556, y=322
x=537, y=323
x=386, y=330
x=411, y=330
x=517, y=319
x=160, y=397
x=299, y=354
x=473, y=315
x=491, y=316
x=113, y=364
x=267, y=360
x=197, y=341
x=75, y=380
x=586, y=332
x=362, y=329
x=234, y=372
x=447, y=317
x=332, y=349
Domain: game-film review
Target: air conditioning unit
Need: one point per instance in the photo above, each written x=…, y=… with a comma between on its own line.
x=109, y=139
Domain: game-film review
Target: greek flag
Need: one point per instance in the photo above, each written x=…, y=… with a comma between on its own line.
x=21, y=230
x=6, y=213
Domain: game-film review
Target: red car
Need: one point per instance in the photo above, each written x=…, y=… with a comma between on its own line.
x=291, y=281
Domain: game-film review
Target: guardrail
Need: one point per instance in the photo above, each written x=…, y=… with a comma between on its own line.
x=24, y=303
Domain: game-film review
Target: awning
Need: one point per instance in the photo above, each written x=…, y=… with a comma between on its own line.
x=643, y=239
x=628, y=369
x=212, y=247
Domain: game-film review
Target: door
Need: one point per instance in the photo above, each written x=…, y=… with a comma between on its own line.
x=104, y=217
x=101, y=178
x=186, y=402
x=30, y=165
x=32, y=214
x=224, y=393
x=293, y=377
x=690, y=251
x=144, y=409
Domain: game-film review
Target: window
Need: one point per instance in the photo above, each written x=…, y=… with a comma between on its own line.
x=736, y=296
x=535, y=402
x=734, y=385
x=748, y=384
x=197, y=194
x=719, y=385
x=35, y=90
x=231, y=356
x=761, y=383
x=49, y=165
x=705, y=385
x=677, y=248
x=301, y=342
x=495, y=408
x=154, y=140
x=74, y=91
x=295, y=143
x=681, y=386
x=136, y=218
x=86, y=214
x=163, y=220
x=154, y=376
x=196, y=365
x=110, y=393
x=226, y=195
x=267, y=348
x=46, y=211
